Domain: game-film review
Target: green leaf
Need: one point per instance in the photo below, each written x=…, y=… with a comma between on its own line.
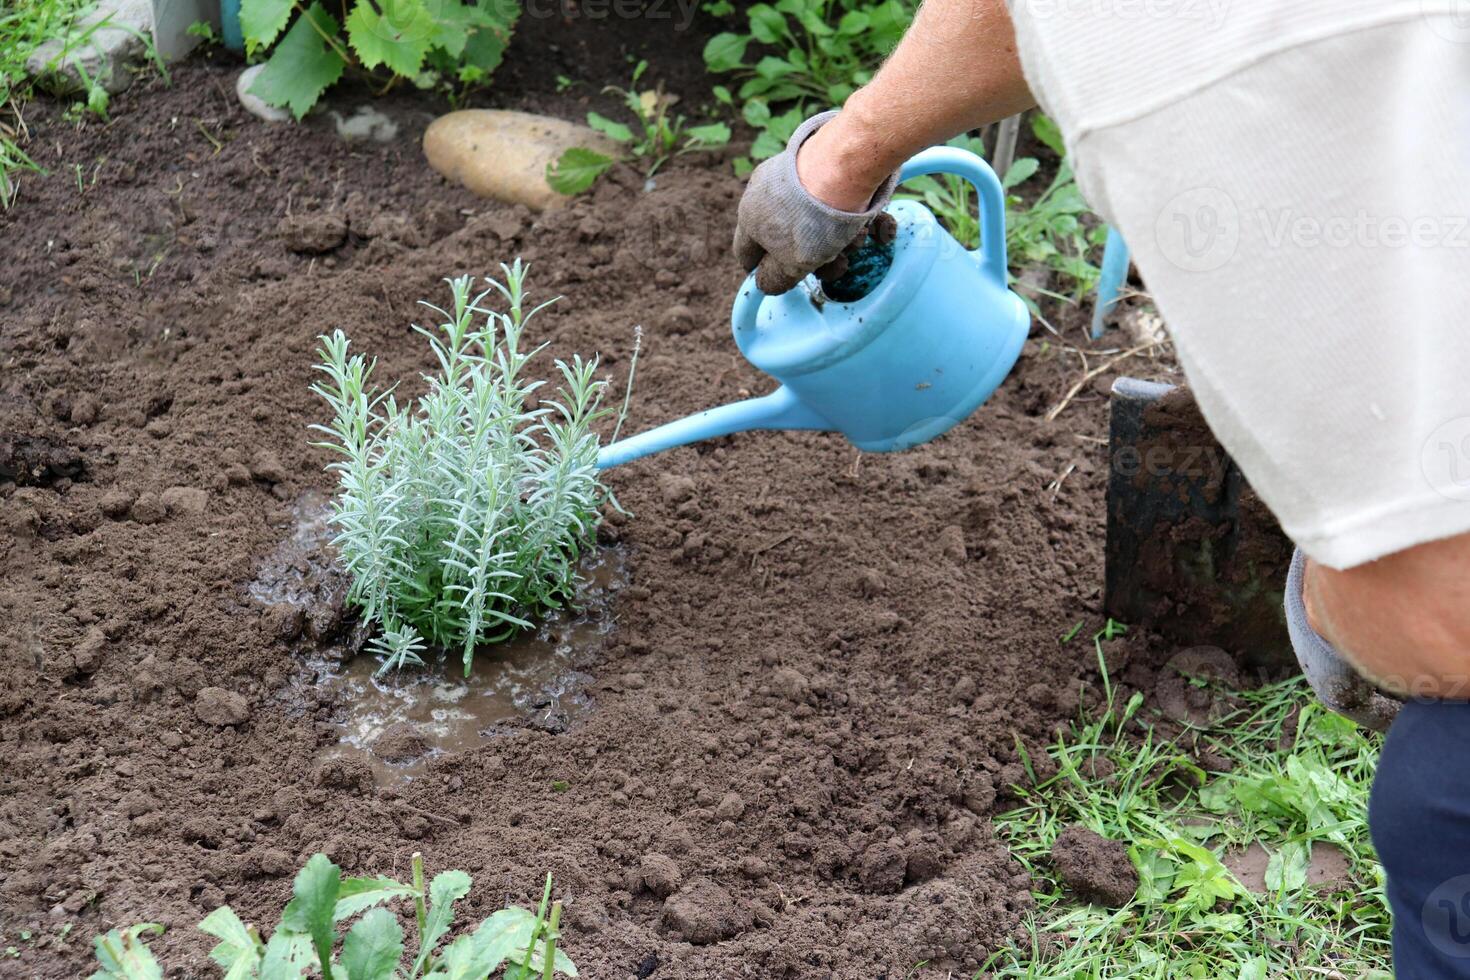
x=772, y=68
x=1049, y=133
x=238, y=951
x=1254, y=968
x=394, y=33
x=838, y=92
x=711, y=135
x=1155, y=873
x=853, y=22
x=310, y=911
x=719, y=8
x=813, y=23
x=562, y=962
x=756, y=113
x=576, y=170
x=122, y=955
x=447, y=888
x=262, y=20
x=356, y=894
x=288, y=955
x=766, y=145
x=725, y=52
x=373, y=946
x=1287, y=869
x=1021, y=171
x=723, y=95
x=302, y=65
x=503, y=935
x=487, y=43
x=452, y=25
x=610, y=128
x=766, y=23
x=742, y=166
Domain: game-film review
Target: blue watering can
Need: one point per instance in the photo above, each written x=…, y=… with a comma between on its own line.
x=898, y=367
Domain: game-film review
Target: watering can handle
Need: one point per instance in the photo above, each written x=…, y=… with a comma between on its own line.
x=991, y=200
x=935, y=160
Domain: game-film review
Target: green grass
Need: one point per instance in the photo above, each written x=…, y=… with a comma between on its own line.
x=1191, y=917
x=24, y=26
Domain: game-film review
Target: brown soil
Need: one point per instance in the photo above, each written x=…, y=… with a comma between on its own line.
x=799, y=727
x=1096, y=868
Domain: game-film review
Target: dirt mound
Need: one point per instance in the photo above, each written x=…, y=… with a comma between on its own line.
x=1094, y=867
x=810, y=702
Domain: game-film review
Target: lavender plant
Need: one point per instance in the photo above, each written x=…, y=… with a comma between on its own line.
x=462, y=514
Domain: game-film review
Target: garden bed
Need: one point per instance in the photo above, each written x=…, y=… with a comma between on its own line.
x=819, y=669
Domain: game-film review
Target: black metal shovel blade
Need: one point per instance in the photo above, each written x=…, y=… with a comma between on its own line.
x=1191, y=550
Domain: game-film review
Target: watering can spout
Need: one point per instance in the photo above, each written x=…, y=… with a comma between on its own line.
x=778, y=410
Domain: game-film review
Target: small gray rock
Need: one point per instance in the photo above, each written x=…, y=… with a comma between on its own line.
x=114, y=32
x=254, y=104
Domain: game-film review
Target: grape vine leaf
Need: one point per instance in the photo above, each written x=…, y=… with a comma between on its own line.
x=395, y=33
x=262, y=20
x=576, y=170
x=303, y=64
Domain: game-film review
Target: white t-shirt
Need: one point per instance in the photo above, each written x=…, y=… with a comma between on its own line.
x=1293, y=177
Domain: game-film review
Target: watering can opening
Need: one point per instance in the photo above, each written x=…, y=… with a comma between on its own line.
x=932, y=331
x=867, y=265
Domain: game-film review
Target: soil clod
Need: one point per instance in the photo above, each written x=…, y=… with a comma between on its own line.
x=703, y=912
x=36, y=460
x=217, y=706
x=403, y=742
x=313, y=234
x=1096, y=868
x=657, y=873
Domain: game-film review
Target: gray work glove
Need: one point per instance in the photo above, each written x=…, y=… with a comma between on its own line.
x=784, y=232
x=1337, y=684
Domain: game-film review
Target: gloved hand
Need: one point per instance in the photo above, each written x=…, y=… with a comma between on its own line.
x=1337, y=684
x=784, y=232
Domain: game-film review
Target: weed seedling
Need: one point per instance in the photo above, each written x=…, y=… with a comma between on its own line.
x=463, y=513
x=307, y=942
x=659, y=136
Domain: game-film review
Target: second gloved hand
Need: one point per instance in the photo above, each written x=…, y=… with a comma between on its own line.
x=783, y=231
x=1336, y=683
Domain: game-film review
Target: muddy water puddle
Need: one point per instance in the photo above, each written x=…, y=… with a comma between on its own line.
x=399, y=721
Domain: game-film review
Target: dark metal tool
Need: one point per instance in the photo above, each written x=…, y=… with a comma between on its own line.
x=1191, y=550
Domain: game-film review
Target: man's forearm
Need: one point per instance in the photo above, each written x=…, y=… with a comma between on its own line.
x=1404, y=620
x=954, y=70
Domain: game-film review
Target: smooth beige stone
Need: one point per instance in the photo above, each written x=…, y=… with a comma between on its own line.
x=503, y=154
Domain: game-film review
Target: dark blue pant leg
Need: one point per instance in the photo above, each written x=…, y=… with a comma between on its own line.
x=1419, y=816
